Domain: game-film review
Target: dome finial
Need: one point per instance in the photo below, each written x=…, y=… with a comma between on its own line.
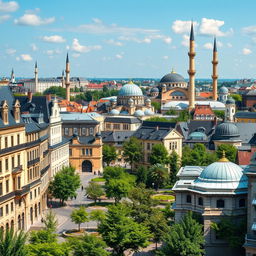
x=130, y=82
x=173, y=71
x=223, y=159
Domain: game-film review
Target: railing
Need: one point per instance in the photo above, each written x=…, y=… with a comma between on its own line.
x=45, y=169
x=34, y=161
x=45, y=152
x=17, y=169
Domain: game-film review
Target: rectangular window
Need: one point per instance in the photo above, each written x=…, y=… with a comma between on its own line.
x=91, y=131
x=83, y=131
x=66, y=131
x=6, y=164
x=1, y=168
x=7, y=186
x=1, y=212
x=75, y=130
x=19, y=184
x=12, y=141
x=18, y=160
x=13, y=162
x=148, y=146
x=11, y=206
x=35, y=193
x=90, y=152
x=31, y=195
x=83, y=151
x=7, y=209
x=70, y=152
x=6, y=142
x=87, y=152
x=116, y=126
x=1, y=188
x=18, y=139
x=108, y=126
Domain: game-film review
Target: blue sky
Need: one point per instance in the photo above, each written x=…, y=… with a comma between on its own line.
x=135, y=38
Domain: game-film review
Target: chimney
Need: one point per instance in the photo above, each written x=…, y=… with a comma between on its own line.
x=30, y=95
x=48, y=97
x=157, y=128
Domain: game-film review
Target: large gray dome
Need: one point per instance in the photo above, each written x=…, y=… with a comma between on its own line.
x=130, y=89
x=172, y=78
x=226, y=130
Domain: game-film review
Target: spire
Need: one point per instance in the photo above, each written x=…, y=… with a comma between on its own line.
x=215, y=45
x=36, y=64
x=192, y=38
x=67, y=59
x=63, y=72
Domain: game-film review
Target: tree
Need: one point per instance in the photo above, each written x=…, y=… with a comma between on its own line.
x=184, y=239
x=141, y=174
x=50, y=221
x=174, y=166
x=158, y=119
x=89, y=246
x=97, y=215
x=183, y=116
x=94, y=191
x=56, y=90
x=113, y=172
x=42, y=236
x=159, y=155
x=158, y=175
x=79, y=216
x=219, y=113
x=12, y=243
x=132, y=151
x=156, y=105
x=236, y=97
x=109, y=154
x=230, y=152
x=65, y=184
x=121, y=232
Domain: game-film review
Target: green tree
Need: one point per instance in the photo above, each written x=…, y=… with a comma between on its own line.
x=156, y=105
x=184, y=239
x=56, y=90
x=141, y=174
x=113, y=172
x=50, y=221
x=109, y=154
x=158, y=175
x=236, y=97
x=159, y=155
x=79, y=216
x=121, y=232
x=158, y=119
x=132, y=151
x=174, y=166
x=89, y=245
x=219, y=113
x=183, y=116
x=42, y=236
x=12, y=243
x=65, y=184
x=97, y=215
x=230, y=152
x=94, y=191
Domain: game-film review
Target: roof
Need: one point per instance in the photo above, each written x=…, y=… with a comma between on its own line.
x=172, y=78
x=226, y=130
x=81, y=117
x=205, y=94
x=116, y=136
x=129, y=120
x=130, y=89
x=246, y=114
x=247, y=132
x=203, y=110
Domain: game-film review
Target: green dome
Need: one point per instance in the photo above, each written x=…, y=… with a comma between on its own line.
x=197, y=136
x=130, y=89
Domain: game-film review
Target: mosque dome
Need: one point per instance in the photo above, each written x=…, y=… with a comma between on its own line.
x=222, y=174
x=114, y=112
x=155, y=89
x=139, y=113
x=148, y=112
x=223, y=90
x=230, y=101
x=130, y=89
x=226, y=130
x=172, y=78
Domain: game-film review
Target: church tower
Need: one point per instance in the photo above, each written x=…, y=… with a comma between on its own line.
x=12, y=77
x=191, y=70
x=67, y=82
x=36, y=77
x=214, y=71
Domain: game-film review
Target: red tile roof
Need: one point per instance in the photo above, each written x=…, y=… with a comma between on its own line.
x=203, y=110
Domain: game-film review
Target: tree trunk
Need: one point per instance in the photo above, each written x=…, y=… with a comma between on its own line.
x=156, y=245
x=79, y=227
x=95, y=201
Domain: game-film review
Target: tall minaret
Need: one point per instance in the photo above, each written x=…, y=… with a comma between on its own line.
x=36, y=77
x=214, y=71
x=63, y=79
x=67, y=82
x=12, y=77
x=191, y=70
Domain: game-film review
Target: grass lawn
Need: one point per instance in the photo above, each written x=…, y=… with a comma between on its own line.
x=163, y=197
x=99, y=179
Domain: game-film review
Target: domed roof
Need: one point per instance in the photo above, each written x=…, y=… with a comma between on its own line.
x=131, y=100
x=197, y=136
x=148, y=112
x=130, y=89
x=226, y=130
x=148, y=100
x=222, y=174
x=113, y=100
x=139, y=113
x=124, y=112
x=155, y=89
x=114, y=112
x=172, y=78
x=223, y=90
x=230, y=101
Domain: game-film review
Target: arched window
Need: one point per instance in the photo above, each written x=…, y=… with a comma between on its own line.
x=242, y=202
x=189, y=199
x=19, y=223
x=220, y=203
x=200, y=201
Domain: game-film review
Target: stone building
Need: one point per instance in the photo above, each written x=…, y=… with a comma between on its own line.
x=121, y=123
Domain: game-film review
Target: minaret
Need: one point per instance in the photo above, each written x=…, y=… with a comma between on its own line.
x=63, y=79
x=214, y=71
x=36, y=77
x=67, y=82
x=191, y=70
x=12, y=77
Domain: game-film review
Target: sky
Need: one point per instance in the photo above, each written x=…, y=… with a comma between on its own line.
x=126, y=39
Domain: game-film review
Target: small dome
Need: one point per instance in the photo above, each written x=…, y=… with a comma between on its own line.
x=155, y=89
x=130, y=89
x=197, y=136
x=226, y=130
x=114, y=112
x=124, y=112
x=148, y=112
x=130, y=100
x=148, y=100
x=164, y=85
x=139, y=113
x=172, y=78
x=113, y=100
x=230, y=101
x=223, y=90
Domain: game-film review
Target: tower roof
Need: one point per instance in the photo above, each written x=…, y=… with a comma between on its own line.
x=67, y=59
x=36, y=64
x=192, y=38
x=215, y=45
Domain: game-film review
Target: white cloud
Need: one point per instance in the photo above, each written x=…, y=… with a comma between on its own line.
x=77, y=47
x=114, y=42
x=219, y=44
x=10, y=51
x=246, y=51
x=30, y=19
x=211, y=27
x=76, y=55
x=34, y=47
x=26, y=57
x=250, y=30
x=167, y=40
x=208, y=46
x=185, y=41
x=17, y=58
x=119, y=56
x=54, y=39
x=148, y=39
x=53, y=52
x=11, y=6
x=4, y=18
x=182, y=26
x=165, y=57
x=229, y=45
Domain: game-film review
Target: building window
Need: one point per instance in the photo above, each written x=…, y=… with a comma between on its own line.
x=126, y=126
x=18, y=139
x=1, y=188
x=70, y=152
x=200, y=201
x=12, y=141
x=108, y=126
x=90, y=152
x=19, y=182
x=1, y=170
x=35, y=193
x=91, y=131
x=83, y=151
x=7, y=209
x=6, y=164
x=12, y=162
x=1, y=212
x=87, y=151
x=66, y=131
x=11, y=206
x=189, y=199
x=83, y=131
x=18, y=160
x=7, y=186
x=6, y=142
x=220, y=203
x=30, y=195
x=242, y=202
x=75, y=130
x=148, y=146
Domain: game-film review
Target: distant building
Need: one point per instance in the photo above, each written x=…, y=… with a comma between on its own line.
x=121, y=123
x=249, y=99
x=203, y=112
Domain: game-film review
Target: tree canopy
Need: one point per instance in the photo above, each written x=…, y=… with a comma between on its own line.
x=94, y=191
x=56, y=90
x=109, y=154
x=79, y=216
x=230, y=152
x=159, y=155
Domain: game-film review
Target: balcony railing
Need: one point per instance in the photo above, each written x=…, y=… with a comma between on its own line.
x=34, y=161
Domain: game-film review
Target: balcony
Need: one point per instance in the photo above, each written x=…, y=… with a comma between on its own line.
x=34, y=161
x=24, y=190
x=45, y=152
x=17, y=170
x=250, y=241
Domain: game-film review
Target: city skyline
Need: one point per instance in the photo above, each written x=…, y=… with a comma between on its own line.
x=126, y=39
